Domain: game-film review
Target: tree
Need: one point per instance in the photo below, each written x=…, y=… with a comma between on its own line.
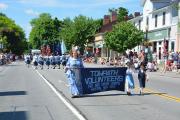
x=67, y=32
x=123, y=36
x=122, y=13
x=45, y=30
x=12, y=35
x=79, y=31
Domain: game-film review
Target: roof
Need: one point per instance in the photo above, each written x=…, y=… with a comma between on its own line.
x=108, y=27
x=136, y=18
x=143, y=1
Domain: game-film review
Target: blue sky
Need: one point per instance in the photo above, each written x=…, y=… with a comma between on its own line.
x=22, y=11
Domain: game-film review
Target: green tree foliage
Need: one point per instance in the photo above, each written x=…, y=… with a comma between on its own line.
x=79, y=31
x=12, y=35
x=45, y=30
x=123, y=36
x=122, y=13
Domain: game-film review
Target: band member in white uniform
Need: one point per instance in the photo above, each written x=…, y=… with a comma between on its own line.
x=35, y=61
x=53, y=62
x=58, y=61
x=48, y=61
x=27, y=60
x=41, y=61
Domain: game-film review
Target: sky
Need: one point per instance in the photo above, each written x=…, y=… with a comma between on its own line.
x=23, y=11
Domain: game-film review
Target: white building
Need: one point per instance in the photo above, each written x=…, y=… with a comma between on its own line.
x=160, y=21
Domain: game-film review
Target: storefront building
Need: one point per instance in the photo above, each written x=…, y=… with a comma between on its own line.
x=160, y=22
x=100, y=48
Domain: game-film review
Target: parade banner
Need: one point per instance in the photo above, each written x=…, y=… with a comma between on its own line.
x=95, y=80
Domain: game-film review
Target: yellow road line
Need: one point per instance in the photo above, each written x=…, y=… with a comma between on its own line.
x=164, y=95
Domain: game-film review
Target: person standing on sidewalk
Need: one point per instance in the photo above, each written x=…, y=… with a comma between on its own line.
x=142, y=77
x=175, y=59
x=72, y=71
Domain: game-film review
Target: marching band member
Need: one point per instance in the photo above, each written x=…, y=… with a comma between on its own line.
x=63, y=59
x=41, y=61
x=48, y=62
x=53, y=62
x=35, y=61
x=27, y=60
x=58, y=60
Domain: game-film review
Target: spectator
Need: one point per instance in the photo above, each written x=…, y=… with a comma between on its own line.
x=175, y=60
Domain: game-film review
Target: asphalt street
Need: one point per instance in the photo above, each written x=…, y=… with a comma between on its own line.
x=24, y=95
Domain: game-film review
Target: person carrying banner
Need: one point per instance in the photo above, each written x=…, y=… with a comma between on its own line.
x=72, y=71
x=129, y=79
x=142, y=77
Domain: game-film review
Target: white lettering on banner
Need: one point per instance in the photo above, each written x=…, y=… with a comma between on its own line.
x=104, y=73
x=102, y=79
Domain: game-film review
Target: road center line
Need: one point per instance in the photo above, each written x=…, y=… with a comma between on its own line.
x=70, y=106
x=164, y=95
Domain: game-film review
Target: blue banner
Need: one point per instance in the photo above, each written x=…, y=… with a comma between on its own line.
x=95, y=80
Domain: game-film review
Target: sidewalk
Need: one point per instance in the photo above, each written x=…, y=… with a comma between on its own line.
x=158, y=73
x=167, y=74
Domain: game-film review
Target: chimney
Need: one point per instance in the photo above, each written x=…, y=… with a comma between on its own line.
x=106, y=19
x=113, y=16
x=130, y=17
x=137, y=14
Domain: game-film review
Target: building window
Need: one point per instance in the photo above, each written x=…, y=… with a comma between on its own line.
x=159, y=43
x=156, y=20
x=164, y=18
x=139, y=24
x=169, y=32
x=147, y=21
x=172, y=46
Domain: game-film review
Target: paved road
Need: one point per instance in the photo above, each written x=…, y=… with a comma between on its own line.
x=32, y=97
x=24, y=96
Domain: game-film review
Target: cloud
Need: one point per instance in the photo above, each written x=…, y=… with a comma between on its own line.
x=40, y=3
x=71, y=3
x=28, y=29
x=31, y=12
x=3, y=6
